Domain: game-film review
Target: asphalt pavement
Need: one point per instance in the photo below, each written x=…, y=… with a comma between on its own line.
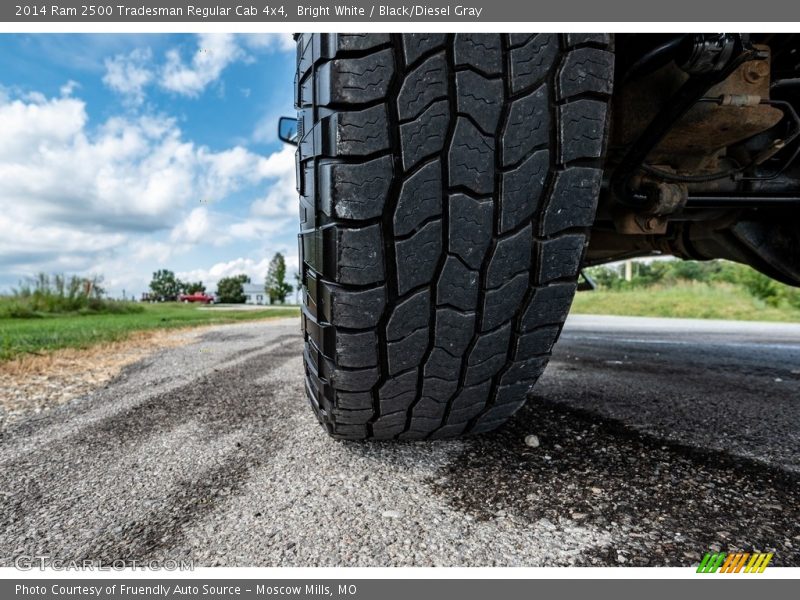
x=657, y=441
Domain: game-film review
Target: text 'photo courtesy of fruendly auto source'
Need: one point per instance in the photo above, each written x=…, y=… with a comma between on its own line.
x=453, y=297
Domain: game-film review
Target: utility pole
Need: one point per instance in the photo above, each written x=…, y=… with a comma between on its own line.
x=629, y=270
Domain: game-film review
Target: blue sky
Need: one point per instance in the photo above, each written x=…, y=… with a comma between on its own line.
x=125, y=153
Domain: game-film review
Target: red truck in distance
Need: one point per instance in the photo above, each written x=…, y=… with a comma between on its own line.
x=196, y=297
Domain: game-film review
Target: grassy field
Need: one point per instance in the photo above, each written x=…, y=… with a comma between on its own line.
x=50, y=332
x=685, y=300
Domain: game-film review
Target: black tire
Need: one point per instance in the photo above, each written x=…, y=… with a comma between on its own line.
x=447, y=183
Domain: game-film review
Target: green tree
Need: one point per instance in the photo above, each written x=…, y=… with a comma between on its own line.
x=276, y=285
x=164, y=286
x=230, y=290
x=193, y=287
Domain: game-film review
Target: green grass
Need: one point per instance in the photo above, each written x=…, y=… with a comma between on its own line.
x=684, y=300
x=50, y=332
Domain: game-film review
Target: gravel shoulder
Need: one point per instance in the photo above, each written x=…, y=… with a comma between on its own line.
x=209, y=451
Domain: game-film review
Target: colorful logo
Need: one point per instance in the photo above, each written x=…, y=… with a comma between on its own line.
x=721, y=562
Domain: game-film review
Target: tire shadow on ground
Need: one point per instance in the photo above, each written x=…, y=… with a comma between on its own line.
x=663, y=503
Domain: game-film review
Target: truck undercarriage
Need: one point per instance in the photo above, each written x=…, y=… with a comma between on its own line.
x=703, y=152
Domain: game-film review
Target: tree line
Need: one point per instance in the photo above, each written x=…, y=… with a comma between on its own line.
x=713, y=272
x=165, y=286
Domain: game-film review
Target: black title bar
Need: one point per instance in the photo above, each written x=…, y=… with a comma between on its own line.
x=392, y=11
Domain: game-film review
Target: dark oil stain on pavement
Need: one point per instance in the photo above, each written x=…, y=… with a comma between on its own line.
x=663, y=504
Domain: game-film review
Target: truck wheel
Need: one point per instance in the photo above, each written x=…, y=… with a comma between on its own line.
x=447, y=183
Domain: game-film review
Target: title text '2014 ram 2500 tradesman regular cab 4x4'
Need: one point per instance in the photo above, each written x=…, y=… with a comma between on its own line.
x=453, y=186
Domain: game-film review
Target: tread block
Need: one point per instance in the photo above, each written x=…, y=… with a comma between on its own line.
x=357, y=350
x=532, y=61
x=398, y=393
x=438, y=388
x=351, y=380
x=421, y=427
x=488, y=355
x=582, y=126
x=355, y=80
x=573, y=201
x=454, y=330
x=409, y=315
x=519, y=39
x=358, y=133
x=501, y=304
x=536, y=343
x=599, y=39
x=482, y=51
x=387, y=426
x=470, y=228
x=430, y=412
x=359, y=191
x=420, y=198
x=418, y=256
x=521, y=189
x=356, y=309
x=346, y=42
x=527, y=126
x=471, y=158
x=423, y=85
x=349, y=432
x=359, y=255
x=354, y=400
x=480, y=98
x=457, y=285
x=512, y=255
x=586, y=70
x=548, y=305
x=407, y=352
x=470, y=401
x=417, y=44
x=352, y=417
x=502, y=411
x=524, y=373
x=425, y=135
x=560, y=257
x=440, y=363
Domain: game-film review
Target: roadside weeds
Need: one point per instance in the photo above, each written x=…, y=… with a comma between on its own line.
x=35, y=382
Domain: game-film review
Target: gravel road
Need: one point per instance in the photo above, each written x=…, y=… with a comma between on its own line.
x=657, y=440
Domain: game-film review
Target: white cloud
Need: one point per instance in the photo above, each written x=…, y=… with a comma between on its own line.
x=82, y=199
x=69, y=88
x=281, y=198
x=130, y=171
x=215, y=51
x=194, y=227
x=281, y=42
x=129, y=74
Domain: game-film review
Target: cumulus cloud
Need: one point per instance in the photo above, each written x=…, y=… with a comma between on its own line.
x=72, y=197
x=193, y=228
x=280, y=200
x=214, y=52
x=129, y=74
x=130, y=172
